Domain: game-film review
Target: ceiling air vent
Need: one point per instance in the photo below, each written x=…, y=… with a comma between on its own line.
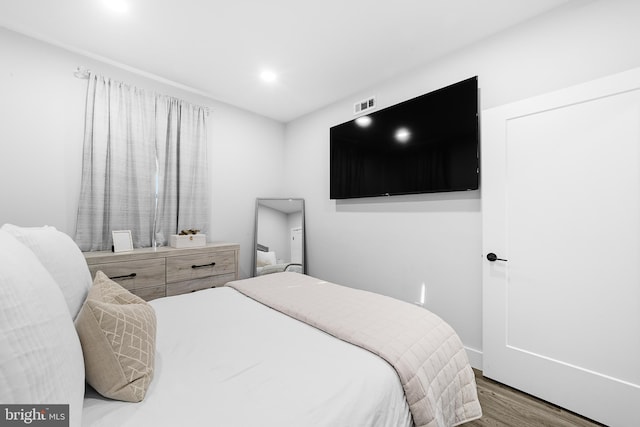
x=364, y=105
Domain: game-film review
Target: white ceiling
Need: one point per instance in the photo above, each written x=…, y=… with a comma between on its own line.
x=323, y=51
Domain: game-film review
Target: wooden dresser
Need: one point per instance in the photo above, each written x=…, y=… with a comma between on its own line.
x=167, y=271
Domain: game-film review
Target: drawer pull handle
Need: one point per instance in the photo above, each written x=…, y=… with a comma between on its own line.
x=203, y=265
x=126, y=276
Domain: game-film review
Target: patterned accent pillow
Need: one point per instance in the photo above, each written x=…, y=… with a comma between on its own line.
x=117, y=331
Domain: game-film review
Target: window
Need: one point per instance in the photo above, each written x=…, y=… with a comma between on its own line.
x=144, y=166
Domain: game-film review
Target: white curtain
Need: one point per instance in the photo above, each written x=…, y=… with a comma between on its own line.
x=182, y=167
x=144, y=166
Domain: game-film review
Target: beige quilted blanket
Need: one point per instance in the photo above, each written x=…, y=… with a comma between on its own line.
x=425, y=351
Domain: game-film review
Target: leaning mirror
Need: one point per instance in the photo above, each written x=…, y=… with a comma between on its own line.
x=279, y=237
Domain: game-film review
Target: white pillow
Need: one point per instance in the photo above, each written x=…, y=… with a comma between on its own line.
x=266, y=258
x=62, y=257
x=40, y=356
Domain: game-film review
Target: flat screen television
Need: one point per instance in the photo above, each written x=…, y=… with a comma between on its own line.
x=424, y=145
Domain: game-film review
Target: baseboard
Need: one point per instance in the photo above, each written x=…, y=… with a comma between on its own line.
x=475, y=357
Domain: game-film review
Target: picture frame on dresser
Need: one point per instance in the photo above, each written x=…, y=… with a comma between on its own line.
x=122, y=240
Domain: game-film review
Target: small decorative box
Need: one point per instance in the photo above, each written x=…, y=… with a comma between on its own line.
x=188, y=241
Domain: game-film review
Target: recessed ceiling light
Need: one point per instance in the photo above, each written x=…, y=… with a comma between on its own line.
x=268, y=76
x=119, y=6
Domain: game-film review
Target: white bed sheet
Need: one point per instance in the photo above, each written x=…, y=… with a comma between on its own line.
x=248, y=365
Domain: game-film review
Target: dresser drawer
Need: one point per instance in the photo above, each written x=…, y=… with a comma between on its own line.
x=187, y=286
x=157, y=272
x=133, y=275
x=196, y=266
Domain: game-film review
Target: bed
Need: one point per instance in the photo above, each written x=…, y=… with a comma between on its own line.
x=283, y=349
x=251, y=365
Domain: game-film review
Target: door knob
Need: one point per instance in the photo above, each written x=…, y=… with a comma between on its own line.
x=493, y=257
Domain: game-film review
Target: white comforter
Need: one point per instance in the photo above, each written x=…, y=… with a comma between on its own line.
x=225, y=360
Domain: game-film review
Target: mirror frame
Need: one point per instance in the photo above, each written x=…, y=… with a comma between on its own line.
x=254, y=269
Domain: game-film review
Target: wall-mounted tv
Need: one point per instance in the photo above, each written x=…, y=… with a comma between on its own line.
x=424, y=145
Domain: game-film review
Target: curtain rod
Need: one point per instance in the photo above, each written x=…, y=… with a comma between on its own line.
x=83, y=73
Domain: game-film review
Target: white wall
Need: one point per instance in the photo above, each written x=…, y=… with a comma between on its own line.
x=41, y=131
x=393, y=245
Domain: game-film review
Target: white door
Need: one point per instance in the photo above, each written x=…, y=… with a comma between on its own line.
x=561, y=204
x=296, y=245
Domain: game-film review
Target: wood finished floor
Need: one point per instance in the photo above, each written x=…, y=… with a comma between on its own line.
x=503, y=406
